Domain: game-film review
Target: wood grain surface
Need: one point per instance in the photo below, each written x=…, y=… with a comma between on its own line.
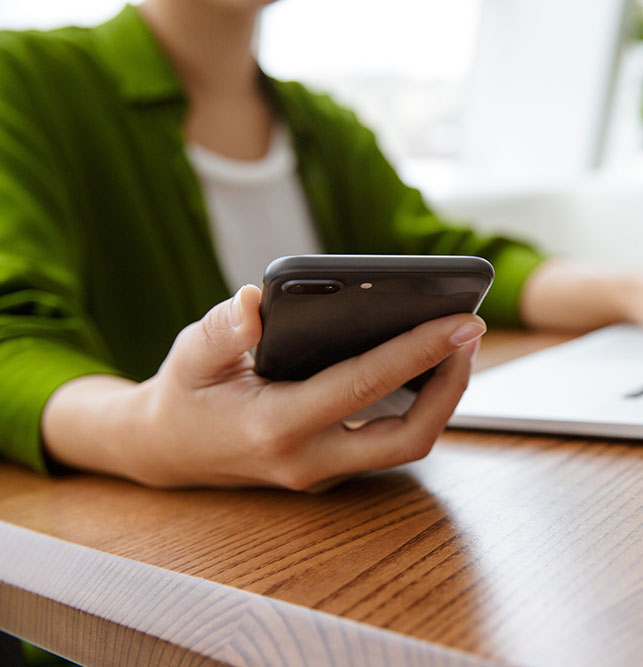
x=508, y=548
x=130, y=613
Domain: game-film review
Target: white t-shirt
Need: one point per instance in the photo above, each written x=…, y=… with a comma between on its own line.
x=257, y=209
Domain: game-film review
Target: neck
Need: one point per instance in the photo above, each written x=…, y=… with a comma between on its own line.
x=209, y=46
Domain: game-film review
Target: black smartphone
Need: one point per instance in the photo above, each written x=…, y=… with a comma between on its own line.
x=320, y=309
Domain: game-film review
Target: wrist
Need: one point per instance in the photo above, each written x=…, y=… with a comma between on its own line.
x=93, y=423
x=146, y=436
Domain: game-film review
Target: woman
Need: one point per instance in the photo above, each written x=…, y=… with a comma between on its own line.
x=128, y=151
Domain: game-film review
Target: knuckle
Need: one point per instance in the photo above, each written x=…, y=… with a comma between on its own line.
x=459, y=380
x=417, y=447
x=182, y=350
x=183, y=340
x=212, y=324
x=366, y=386
x=262, y=444
x=266, y=440
x=429, y=353
x=154, y=479
x=463, y=382
x=296, y=480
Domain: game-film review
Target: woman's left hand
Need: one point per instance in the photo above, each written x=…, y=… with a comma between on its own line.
x=566, y=296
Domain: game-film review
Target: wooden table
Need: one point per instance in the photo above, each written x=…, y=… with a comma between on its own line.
x=498, y=548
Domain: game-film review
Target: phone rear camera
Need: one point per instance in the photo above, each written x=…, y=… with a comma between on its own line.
x=312, y=286
x=294, y=289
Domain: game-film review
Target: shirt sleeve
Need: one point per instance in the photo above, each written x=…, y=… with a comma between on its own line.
x=424, y=232
x=386, y=216
x=46, y=335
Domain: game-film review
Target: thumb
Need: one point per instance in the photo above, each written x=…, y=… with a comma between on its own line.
x=218, y=340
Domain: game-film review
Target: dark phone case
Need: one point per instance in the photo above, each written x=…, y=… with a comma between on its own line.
x=304, y=333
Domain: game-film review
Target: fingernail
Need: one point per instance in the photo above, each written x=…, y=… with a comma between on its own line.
x=472, y=349
x=236, y=310
x=466, y=333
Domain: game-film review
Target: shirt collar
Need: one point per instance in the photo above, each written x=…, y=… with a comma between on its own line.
x=144, y=75
x=134, y=57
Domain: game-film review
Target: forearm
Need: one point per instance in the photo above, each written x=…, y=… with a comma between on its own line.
x=96, y=423
x=567, y=296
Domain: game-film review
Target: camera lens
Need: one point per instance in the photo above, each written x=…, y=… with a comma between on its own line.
x=312, y=286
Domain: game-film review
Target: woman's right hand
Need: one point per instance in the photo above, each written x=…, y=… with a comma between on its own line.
x=206, y=419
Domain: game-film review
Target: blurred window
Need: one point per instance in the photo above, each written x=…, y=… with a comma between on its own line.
x=625, y=132
x=404, y=66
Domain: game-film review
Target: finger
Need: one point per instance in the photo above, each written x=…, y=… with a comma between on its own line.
x=440, y=396
x=218, y=340
x=351, y=385
x=394, y=441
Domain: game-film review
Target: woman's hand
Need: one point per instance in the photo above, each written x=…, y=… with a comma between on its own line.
x=207, y=419
x=563, y=295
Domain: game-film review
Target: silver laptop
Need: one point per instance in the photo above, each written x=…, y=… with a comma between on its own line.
x=592, y=385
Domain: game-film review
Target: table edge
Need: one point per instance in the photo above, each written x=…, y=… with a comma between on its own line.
x=213, y=620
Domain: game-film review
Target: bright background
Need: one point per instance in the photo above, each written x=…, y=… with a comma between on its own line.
x=404, y=66
x=523, y=116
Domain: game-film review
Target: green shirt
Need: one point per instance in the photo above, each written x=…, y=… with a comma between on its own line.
x=105, y=249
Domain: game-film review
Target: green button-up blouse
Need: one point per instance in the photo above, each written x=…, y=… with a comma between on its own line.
x=105, y=249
